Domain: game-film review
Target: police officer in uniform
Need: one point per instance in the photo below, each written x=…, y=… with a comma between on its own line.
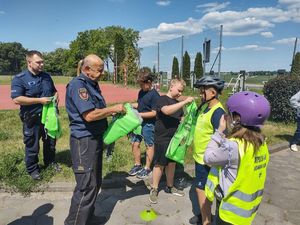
x=31, y=89
x=87, y=114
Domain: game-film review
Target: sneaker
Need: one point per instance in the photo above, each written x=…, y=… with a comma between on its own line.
x=173, y=190
x=135, y=170
x=55, y=166
x=294, y=148
x=153, y=196
x=196, y=219
x=35, y=175
x=144, y=173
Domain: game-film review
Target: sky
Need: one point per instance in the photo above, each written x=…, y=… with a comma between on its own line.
x=257, y=34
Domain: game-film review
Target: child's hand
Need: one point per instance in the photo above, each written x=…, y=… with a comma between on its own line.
x=188, y=100
x=222, y=124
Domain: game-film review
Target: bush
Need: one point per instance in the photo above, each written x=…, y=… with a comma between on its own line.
x=279, y=91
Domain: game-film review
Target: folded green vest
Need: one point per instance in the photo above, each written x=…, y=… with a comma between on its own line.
x=50, y=119
x=123, y=124
x=183, y=137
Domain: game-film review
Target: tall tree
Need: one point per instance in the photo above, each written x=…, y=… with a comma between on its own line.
x=12, y=57
x=186, y=70
x=175, y=68
x=130, y=63
x=55, y=62
x=198, y=68
x=295, y=70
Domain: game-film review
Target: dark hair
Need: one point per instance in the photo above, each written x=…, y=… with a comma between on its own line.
x=145, y=76
x=31, y=53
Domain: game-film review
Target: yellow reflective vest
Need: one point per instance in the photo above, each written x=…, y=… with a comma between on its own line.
x=241, y=203
x=203, y=132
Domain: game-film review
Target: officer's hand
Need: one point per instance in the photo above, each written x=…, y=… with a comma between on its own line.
x=119, y=108
x=45, y=100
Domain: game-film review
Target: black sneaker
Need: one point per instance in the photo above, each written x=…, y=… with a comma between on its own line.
x=135, y=170
x=35, y=175
x=174, y=191
x=196, y=219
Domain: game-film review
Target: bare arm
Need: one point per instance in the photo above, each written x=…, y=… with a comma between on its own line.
x=170, y=109
x=148, y=115
x=23, y=100
x=98, y=114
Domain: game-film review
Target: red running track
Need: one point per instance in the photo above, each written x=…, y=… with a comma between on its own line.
x=112, y=94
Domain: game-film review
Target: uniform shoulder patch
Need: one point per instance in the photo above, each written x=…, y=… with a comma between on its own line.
x=83, y=94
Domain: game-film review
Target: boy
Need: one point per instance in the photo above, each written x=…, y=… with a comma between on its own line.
x=169, y=113
x=211, y=111
x=146, y=105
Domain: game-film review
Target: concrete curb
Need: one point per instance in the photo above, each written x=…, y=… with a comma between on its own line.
x=123, y=181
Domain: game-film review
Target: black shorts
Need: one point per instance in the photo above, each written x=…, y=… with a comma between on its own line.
x=159, y=157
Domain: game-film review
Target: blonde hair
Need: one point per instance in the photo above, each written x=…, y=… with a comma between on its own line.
x=79, y=66
x=176, y=81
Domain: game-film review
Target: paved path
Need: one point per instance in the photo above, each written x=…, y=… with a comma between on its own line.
x=112, y=94
x=280, y=206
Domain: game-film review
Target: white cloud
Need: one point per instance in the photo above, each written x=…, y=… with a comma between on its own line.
x=61, y=44
x=267, y=34
x=163, y=3
x=2, y=12
x=285, y=41
x=250, y=47
x=235, y=23
x=210, y=7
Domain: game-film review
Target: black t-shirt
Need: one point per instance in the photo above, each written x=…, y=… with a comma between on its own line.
x=166, y=125
x=147, y=102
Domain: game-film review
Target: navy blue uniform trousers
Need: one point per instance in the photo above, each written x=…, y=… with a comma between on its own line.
x=86, y=156
x=33, y=130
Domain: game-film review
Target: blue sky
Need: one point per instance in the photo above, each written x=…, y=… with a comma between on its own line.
x=257, y=34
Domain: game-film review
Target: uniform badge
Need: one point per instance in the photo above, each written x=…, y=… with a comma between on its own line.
x=83, y=94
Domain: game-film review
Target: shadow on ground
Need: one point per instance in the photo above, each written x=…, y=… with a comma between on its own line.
x=39, y=216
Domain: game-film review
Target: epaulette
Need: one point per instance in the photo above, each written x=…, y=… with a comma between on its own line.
x=20, y=74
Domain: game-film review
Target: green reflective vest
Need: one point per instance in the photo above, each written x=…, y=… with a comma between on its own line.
x=183, y=136
x=241, y=203
x=203, y=132
x=50, y=119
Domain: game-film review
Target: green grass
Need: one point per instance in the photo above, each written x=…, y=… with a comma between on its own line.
x=12, y=168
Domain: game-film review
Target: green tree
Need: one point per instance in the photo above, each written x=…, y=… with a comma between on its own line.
x=146, y=69
x=198, y=68
x=130, y=62
x=295, y=70
x=12, y=57
x=186, y=70
x=175, y=68
x=55, y=62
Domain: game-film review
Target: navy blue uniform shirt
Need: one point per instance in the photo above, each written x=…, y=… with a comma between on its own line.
x=29, y=85
x=84, y=94
x=147, y=102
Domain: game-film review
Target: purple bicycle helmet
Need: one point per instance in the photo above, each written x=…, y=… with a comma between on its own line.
x=254, y=109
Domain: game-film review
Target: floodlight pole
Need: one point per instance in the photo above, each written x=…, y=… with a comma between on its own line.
x=220, y=50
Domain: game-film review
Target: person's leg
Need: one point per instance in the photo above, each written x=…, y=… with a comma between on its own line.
x=31, y=141
x=205, y=205
x=170, y=171
x=296, y=138
x=49, y=145
x=85, y=154
x=136, y=150
x=157, y=173
x=135, y=146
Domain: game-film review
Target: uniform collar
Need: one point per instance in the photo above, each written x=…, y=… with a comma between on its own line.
x=33, y=75
x=88, y=80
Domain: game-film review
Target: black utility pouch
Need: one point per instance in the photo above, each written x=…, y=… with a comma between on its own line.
x=219, y=194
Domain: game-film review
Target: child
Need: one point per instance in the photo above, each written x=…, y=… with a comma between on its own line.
x=146, y=106
x=169, y=113
x=240, y=162
x=295, y=103
x=211, y=111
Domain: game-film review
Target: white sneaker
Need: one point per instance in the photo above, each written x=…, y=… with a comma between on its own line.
x=294, y=148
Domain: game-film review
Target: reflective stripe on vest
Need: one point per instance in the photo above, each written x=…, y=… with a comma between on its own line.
x=239, y=211
x=247, y=197
x=211, y=183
